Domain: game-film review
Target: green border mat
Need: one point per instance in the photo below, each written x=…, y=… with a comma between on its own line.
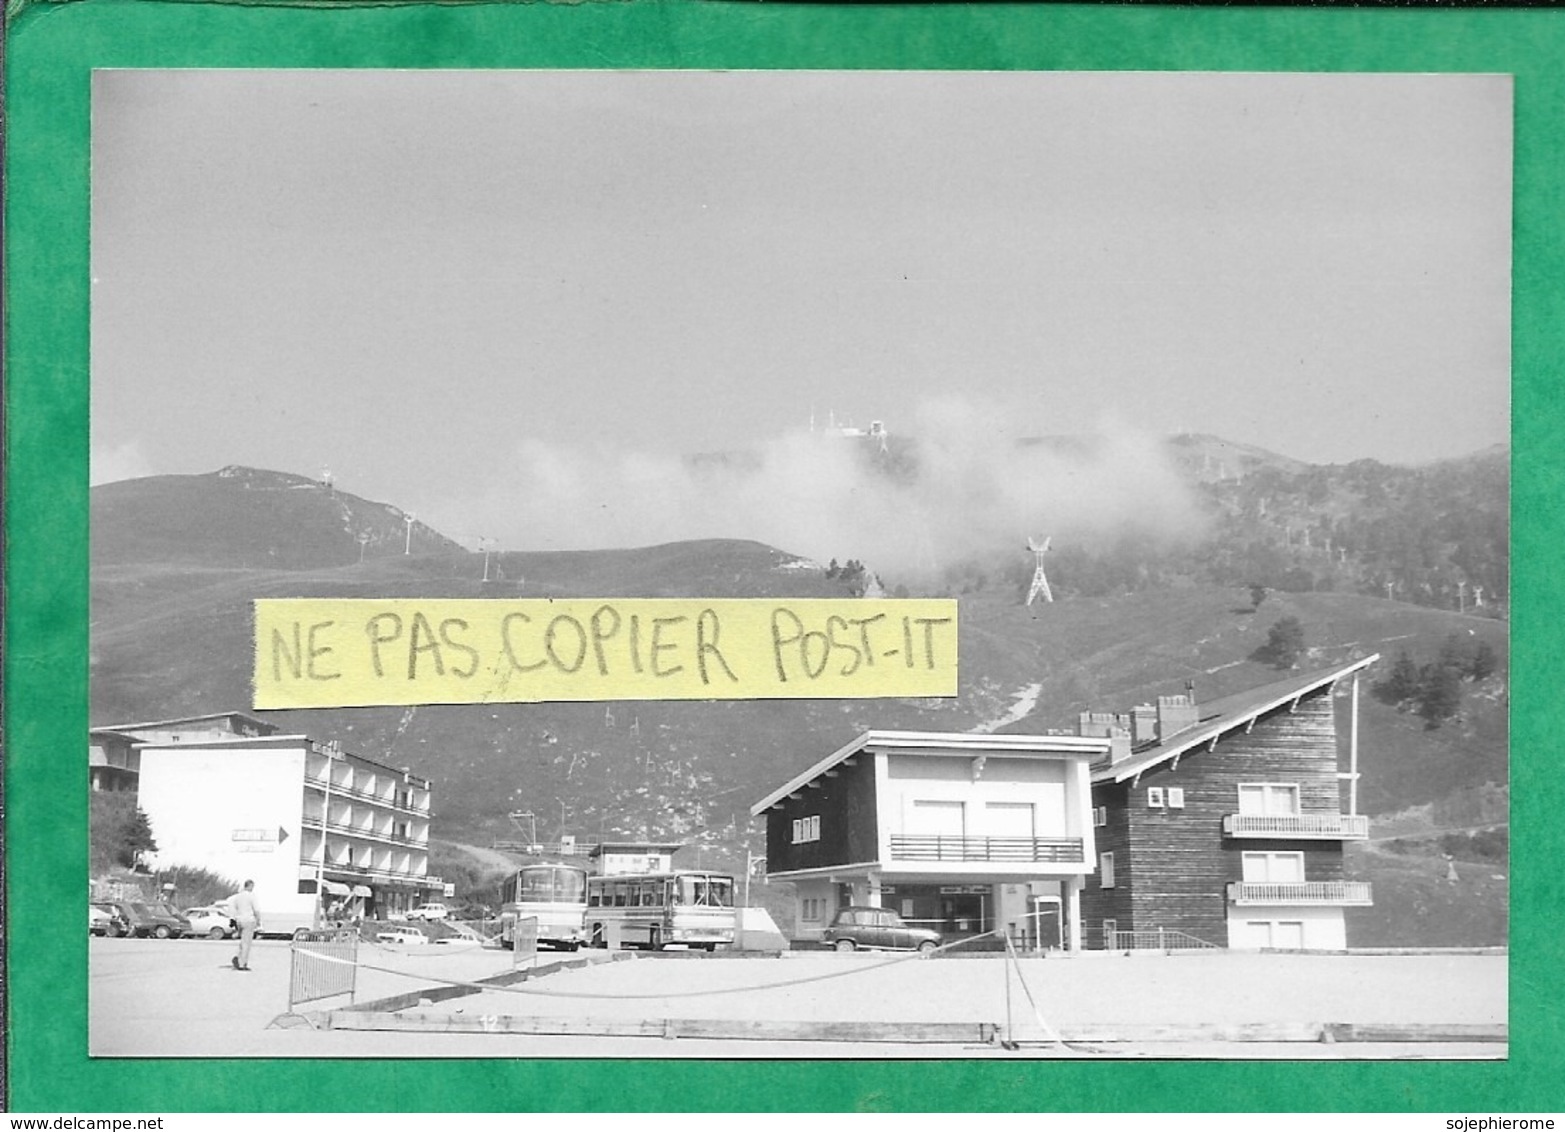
x=51, y=51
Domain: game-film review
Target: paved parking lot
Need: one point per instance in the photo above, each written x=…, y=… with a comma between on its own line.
x=181, y=998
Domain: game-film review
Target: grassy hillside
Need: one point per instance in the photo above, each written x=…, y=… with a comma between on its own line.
x=1425, y=899
x=172, y=626
x=160, y=649
x=247, y=518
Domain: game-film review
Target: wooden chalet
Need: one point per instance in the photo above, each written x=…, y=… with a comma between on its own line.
x=1223, y=823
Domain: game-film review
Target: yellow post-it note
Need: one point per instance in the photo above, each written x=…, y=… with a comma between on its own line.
x=355, y=652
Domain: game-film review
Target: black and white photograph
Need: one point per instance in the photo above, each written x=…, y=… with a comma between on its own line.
x=1189, y=392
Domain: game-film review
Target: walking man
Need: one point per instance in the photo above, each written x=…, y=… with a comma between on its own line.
x=245, y=910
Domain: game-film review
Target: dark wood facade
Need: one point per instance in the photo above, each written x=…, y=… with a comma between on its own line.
x=1173, y=865
x=844, y=801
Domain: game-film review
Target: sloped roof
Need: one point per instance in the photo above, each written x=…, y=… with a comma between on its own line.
x=1226, y=713
x=943, y=743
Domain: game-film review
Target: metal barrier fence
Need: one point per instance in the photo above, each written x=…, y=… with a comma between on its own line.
x=1157, y=939
x=524, y=941
x=322, y=964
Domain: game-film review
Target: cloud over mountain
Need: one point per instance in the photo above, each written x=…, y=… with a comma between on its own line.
x=957, y=484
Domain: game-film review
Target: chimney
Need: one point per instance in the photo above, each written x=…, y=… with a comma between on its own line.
x=1096, y=724
x=1176, y=714
x=1119, y=745
x=1143, y=724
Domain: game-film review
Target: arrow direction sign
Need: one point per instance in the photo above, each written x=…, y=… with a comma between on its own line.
x=259, y=840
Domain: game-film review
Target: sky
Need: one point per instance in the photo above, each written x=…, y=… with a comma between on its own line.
x=513, y=302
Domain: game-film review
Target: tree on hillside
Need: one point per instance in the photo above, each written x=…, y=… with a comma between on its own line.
x=1284, y=644
x=118, y=831
x=1483, y=662
x=1401, y=685
x=1439, y=693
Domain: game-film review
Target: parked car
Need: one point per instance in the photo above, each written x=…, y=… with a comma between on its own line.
x=877, y=928
x=401, y=935
x=430, y=912
x=106, y=920
x=156, y=920
x=212, y=922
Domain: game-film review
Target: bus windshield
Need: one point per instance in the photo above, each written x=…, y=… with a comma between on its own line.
x=708, y=891
x=561, y=885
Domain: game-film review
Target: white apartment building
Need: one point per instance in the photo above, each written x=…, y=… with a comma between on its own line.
x=323, y=833
x=957, y=832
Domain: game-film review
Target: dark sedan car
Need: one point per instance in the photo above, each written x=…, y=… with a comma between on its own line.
x=107, y=920
x=878, y=928
x=156, y=920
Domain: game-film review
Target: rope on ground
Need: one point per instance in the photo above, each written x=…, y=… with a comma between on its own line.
x=1049, y=1031
x=666, y=995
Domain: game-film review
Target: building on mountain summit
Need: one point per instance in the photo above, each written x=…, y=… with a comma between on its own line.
x=1223, y=823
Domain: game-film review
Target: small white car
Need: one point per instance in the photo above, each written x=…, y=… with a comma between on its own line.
x=430, y=912
x=212, y=922
x=401, y=936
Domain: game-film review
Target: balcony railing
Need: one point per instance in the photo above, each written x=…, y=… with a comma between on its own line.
x=391, y=803
x=1019, y=850
x=391, y=837
x=1316, y=827
x=1341, y=893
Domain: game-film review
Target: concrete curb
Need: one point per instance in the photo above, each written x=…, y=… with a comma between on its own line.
x=946, y=1033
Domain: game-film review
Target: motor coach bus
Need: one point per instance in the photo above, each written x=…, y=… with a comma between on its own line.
x=652, y=910
x=556, y=895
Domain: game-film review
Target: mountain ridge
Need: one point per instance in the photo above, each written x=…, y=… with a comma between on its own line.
x=172, y=624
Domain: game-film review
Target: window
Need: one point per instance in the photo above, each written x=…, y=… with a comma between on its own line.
x=937, y=818
x=1176, y=797
x=1100, y=815
x=1272, y=799
x=1273, y=868
x=1008, y=819
x=1105, y=870
x=1155, y=796
x=1284, y=934
x=807, y=829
